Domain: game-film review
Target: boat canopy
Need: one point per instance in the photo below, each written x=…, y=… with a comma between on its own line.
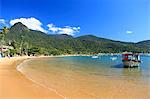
x=130, y=56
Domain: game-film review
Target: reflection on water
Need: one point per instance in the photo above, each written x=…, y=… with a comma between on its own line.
x=133, y=75
x=131, y=71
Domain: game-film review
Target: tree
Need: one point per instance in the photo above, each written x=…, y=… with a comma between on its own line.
x=34, y=51
x=12, y=52
x=3, y=33
x=55, y=52
x=25, y=48
x=21, y=44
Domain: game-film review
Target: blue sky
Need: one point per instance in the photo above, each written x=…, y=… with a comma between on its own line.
x=125, y=20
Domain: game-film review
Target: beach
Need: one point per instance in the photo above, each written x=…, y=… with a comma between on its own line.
x=63, y=82
x=14, y=85
x=81, y=77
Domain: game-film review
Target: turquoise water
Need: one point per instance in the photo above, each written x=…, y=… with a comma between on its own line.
x=105, y=66
x=89, y=75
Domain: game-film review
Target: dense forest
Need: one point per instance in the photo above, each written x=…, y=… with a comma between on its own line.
x=26, y=41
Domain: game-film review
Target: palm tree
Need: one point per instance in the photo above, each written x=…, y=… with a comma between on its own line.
x=4, y=30
x=3, y=33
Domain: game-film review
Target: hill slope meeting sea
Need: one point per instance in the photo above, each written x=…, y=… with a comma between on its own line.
x=57, y=44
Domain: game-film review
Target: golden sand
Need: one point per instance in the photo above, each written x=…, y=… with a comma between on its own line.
x=14, y=85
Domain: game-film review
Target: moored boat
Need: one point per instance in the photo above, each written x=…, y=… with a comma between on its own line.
x=95, y=56
x=113, y=58
x=131, y=60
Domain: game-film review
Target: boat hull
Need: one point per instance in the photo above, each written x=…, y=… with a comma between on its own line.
x=131, y=63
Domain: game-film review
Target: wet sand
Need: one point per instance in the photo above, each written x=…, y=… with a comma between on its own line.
x=14, y=85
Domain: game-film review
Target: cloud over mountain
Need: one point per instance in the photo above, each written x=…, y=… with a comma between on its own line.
x=35, y=24
x=31, y=23
x=63, y=30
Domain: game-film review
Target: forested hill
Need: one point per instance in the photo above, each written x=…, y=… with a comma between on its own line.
x=66, y=44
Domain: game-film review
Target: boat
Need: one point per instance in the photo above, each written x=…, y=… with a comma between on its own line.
x=113, y=58
x=131, y=60
x=94, y=56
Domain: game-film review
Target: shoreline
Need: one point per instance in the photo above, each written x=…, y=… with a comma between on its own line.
x=15, y=85
x=106, y=92
x=36, y=90
x=18, y=68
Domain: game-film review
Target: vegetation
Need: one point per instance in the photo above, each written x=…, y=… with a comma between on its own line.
x=3, y=33
x=30, y=42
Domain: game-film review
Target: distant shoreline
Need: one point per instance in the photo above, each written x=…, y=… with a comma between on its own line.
x=99, y=54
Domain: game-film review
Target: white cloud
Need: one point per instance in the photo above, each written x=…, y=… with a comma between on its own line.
x=129, y=32
x=31, y=23
x=2, y=21
x=34, y=24
x=64, y=30
x=52, y=28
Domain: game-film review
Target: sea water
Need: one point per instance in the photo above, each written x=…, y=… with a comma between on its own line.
x=84, y=77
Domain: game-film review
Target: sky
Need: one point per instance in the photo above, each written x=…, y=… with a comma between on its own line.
x=123, y=20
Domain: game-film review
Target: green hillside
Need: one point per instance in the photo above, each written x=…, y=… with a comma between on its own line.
x=21, y=36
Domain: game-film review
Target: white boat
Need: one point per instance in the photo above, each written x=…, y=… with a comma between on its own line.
x=94, y=56
x=113, y=58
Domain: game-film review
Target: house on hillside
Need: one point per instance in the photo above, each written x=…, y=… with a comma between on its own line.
x=5, y=48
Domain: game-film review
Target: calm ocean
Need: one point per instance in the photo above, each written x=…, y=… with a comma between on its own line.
x=84, y=77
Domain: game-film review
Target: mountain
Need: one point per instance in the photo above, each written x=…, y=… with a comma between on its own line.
x=63, y=43
x=144, y=43
x=61, y=36
x=18, y=27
